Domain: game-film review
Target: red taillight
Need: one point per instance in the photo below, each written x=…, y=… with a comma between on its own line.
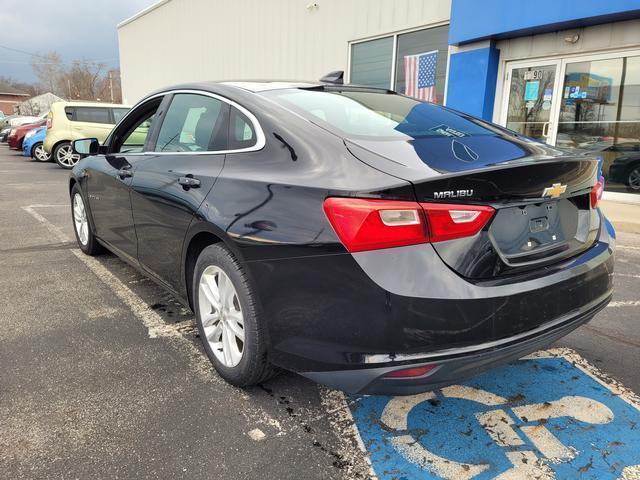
x=363, y=224
x=596, y=193
x=49, y=123
x=412, y=372
x=447, y=222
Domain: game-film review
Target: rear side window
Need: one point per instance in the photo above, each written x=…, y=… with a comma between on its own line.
x=69, y=112
x=92, y=115
x=193, y=123
x=241, y=131
x=378, y=115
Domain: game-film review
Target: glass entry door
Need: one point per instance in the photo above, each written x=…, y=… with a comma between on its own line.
x=600, y=114
x=584, y=103
x=532, y=91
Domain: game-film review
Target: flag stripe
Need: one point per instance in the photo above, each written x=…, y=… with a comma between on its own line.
x=420, y=75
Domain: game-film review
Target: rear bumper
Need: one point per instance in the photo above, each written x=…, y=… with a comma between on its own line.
x=455, y=365
x=346, y=320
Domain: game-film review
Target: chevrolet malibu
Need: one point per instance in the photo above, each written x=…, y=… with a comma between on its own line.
x=366, y=240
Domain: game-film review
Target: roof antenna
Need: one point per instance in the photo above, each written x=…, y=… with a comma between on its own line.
x=336, y=78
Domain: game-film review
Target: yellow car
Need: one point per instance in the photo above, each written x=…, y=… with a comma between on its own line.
x=69, y=121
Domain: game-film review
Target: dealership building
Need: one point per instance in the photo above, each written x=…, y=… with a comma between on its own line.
x=563, y=71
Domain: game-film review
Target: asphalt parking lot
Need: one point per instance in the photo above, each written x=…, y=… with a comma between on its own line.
x=102, y=375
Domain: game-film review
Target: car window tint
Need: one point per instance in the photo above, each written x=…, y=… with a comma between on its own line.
x=118, y=113
x=191, y=124
x=68, y=111
x=130, y=136
x=134, y=140
x=92, y=115
x=241, y=132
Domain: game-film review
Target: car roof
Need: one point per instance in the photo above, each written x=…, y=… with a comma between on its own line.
x=257, y=86
x=91, y=104
x=262, y=85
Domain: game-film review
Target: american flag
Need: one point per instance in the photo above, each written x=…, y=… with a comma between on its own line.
x=420, y=75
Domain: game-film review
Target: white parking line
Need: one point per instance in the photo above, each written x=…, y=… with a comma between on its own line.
x=627, y=247
x=628, y=303
x=627, y=275
x=156, y=327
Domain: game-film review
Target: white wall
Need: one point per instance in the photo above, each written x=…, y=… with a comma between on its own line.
x=192, y=40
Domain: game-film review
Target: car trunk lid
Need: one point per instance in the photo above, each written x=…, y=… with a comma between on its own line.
x=541, y=197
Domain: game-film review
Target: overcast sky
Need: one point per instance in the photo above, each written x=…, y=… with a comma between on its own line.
x=73, y=28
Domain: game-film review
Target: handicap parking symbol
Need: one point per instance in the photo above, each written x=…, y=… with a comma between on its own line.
x=541, y=417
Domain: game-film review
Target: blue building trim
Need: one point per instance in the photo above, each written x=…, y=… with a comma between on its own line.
x=473, y=20
x=471, y=86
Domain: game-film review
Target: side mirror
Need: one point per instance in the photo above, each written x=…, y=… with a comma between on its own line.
x=86, y=146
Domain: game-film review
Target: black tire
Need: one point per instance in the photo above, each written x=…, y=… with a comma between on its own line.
x=43, y=156
x=632, y=178
x=59, y=156
x=254, y=366
x=91, y=246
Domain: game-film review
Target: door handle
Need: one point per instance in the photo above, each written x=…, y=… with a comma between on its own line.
x=125, y=173
x=189, y=182
x=545, y=129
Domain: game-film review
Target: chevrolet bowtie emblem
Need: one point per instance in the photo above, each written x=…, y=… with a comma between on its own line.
x=554, y=191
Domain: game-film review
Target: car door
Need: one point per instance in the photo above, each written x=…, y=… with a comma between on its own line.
x=171, y=183
x=109, y=180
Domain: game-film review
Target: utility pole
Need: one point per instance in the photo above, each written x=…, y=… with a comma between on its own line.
x=111, y=86
x=69, y=87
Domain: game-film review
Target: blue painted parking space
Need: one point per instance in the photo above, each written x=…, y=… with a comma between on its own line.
x=541, y=417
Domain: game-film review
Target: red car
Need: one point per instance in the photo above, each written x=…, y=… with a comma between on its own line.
x=16, y=136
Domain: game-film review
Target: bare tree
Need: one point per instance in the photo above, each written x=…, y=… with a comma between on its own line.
x=49, y=70
x=85, y=79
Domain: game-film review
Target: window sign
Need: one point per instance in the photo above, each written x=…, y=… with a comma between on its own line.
x=533, y=75
x=420, y=75
x=531, y=90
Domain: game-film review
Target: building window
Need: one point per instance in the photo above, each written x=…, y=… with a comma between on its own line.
x=600, y=113
x=430, y=45
x=371, y=62
x=413, y=63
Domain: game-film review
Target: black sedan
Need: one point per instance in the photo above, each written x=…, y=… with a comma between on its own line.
x=367, y=240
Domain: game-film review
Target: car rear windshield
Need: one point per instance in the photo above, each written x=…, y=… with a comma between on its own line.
x=370, y=114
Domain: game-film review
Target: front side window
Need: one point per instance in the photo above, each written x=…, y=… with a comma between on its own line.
x=131, y=136
x=92, y=115
x=118, y=113
x=193, y=123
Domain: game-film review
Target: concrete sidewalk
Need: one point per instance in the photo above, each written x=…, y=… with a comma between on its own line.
x=624, y=216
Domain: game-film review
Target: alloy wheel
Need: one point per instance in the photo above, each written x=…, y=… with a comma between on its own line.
x=634, y=179
x=40, y=153
x=221, y=316
x=80, y=219
x=66, y=157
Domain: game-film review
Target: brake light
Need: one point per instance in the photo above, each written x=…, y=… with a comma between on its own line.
x=596, y=192
x=412, y=372
x=49, y=121
x=363, y=224
x=447, y=222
